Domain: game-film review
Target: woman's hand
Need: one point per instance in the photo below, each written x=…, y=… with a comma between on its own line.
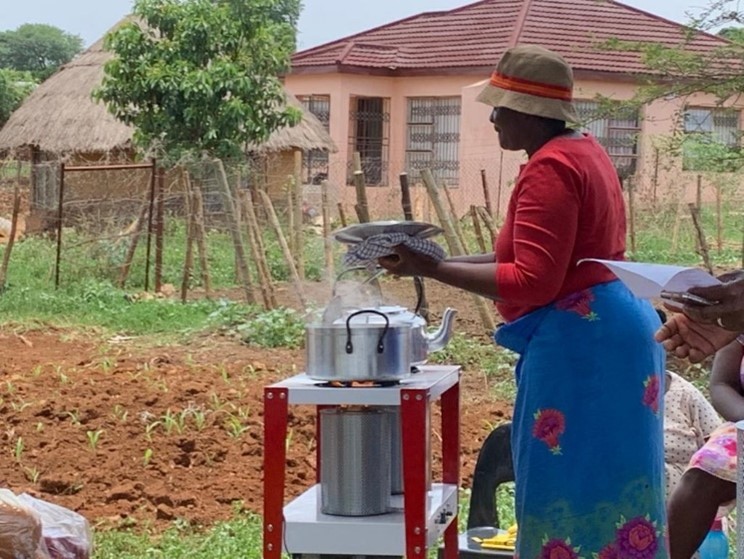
x=693, y=340
x=406, y=262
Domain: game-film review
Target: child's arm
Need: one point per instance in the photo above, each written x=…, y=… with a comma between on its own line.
x=725, y=382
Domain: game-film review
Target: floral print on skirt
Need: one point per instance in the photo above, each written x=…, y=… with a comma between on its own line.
x=587, y=433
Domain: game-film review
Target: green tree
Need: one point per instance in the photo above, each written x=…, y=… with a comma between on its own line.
x=202, y=76
x=686, y=69
x=733, y=34
x=14, y=87
x=37, y=48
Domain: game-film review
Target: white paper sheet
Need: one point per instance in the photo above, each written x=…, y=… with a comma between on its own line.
x=647, y=280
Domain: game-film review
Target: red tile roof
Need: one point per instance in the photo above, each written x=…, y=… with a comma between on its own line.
x=473, y=37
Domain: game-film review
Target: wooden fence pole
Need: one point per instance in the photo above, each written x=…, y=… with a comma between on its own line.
x=453, y=217
x=487, y=221
x=298, y=214
x=159, y=226
x=60, y=216
x=264, y=282
x=453, y=241
x=327, y=241
x=342, y=214
x=486, y=192
x=456, y=249
x=405, y=202
x=188, y=263
x=678, y=220
x=291, y=237
x=405, y=197
x=701, y=241
x=477, y=229
x=234, y=226
x=631, y=213
x=256, y=236
x=274, y=220
x=719, y=220
x=150, y=220
x=200, y=234
x=13, y=231
x=132, y=249
x=362, y=207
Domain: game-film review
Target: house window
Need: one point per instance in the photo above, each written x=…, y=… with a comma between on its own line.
x=712, y=139
x=617, y=132
x=315, y=161
x=433, y=138
x=369, y=135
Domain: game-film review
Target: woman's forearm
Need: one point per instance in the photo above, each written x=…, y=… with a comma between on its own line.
x=476, y=277
x=474, y=258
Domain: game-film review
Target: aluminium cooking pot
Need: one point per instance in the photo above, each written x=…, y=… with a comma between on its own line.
x=365, y=345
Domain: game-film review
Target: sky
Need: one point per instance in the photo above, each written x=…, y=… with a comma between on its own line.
x=321, y=21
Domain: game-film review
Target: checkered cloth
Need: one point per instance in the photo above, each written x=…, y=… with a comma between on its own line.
x=377, y=246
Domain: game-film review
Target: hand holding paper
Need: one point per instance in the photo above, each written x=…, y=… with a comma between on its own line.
x=649, y=280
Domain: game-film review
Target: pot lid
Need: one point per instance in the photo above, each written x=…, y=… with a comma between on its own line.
x=396, y=315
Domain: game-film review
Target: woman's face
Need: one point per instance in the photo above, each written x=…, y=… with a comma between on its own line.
x=510, y=127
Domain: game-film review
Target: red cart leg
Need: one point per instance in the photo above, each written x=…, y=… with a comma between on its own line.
x=450, y=404
x=275, y=455
x=413, y=409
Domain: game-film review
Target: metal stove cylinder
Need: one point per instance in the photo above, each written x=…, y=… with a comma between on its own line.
x=354, y=462
x=396, y=451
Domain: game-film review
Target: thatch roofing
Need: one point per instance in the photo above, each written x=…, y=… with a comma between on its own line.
x=61, y=117
x=308, y=134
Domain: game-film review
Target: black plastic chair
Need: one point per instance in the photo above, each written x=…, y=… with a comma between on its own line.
x=493, y=467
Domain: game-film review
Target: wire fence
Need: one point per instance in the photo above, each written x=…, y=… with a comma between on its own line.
x=241, y=226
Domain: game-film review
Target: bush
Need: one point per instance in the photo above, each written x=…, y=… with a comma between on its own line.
x=275, y=328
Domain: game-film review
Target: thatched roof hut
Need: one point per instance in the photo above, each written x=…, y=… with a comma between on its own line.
x=60, y=117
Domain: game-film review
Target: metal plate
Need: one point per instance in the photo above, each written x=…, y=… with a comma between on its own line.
x=358, y=232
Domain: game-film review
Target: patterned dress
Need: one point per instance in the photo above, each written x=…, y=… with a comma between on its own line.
x=587, y=433
x=718, y=455
x=689, y=419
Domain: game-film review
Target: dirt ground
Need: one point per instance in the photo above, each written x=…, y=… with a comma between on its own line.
x=130, y=433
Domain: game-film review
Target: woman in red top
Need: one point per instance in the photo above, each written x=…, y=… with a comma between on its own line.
x=587, y=427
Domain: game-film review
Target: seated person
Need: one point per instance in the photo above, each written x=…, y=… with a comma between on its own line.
x=710, y=481
x=689, y=419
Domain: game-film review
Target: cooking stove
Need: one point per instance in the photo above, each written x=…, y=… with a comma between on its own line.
x=417, y=518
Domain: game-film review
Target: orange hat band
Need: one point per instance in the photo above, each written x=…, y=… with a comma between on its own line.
x=531, y=88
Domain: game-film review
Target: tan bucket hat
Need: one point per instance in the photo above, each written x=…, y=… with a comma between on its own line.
x=532, y=80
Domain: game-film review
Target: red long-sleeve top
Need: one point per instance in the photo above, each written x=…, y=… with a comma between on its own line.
x=567, y=205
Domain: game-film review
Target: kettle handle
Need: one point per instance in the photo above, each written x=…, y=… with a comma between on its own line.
x=380, y=344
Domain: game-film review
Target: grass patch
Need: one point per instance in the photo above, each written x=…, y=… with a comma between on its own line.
x=238, y=537
x=497, y=363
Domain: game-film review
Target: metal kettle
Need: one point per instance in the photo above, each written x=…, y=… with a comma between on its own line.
x=422, y=342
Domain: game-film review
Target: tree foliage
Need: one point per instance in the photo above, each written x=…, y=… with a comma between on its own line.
x=685, y=69
x=14, y=87
x=202, y=76
x=37, y=48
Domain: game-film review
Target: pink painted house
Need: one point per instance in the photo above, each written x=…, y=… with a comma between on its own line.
x=403, y=96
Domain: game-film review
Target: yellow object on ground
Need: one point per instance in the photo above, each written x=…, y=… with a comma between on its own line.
x=505, y=540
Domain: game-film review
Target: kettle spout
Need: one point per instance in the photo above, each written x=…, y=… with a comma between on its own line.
x=440, y=338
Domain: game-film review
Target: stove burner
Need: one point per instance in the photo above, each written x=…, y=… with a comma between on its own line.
x=358, y=384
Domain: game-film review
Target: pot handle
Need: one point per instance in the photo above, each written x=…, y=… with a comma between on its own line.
x=380, y=344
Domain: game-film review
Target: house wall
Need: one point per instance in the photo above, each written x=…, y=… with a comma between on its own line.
x=659, y=176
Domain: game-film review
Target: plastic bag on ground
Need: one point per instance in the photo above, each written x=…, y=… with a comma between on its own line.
x=67, y=534
x=20, y=529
